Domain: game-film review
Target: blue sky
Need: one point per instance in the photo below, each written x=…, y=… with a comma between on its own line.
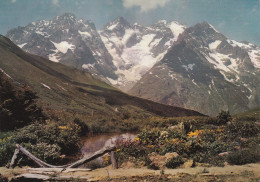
x=237, y=19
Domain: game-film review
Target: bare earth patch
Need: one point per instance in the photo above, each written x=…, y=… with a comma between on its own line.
x=249, y=172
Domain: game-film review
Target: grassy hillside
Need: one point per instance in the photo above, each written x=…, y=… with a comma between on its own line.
x=65, y=88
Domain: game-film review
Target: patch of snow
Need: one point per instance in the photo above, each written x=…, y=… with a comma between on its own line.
x=87, y=66
x=213, y=28
x=249, y=97
x=176, y=29
x=163, y=22
x=248, y=87
x=128, y=75
x=225, y=77
x=21, y=45
x=188, y=67
x=255, y=57
x=64, y=46
x=157, y=76
x=46, y=86
x=218, y=59
x=238, y=44
x=128, y=34
x=53, y=56
x=170, y=42
x=112, y=81
x=87, y=34
x=112, y=26
x=194, y=83
x=214, y=44
x=62, y=87
x=5, y=73
x=40, y=33
x=155, y=42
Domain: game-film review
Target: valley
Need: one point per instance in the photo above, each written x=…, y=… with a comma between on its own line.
x=171, y=102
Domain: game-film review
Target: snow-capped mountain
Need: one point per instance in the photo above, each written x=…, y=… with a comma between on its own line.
x=135, y=48
x=205, y=71
x=196, y=68
x=120, y=53
x=67, y=40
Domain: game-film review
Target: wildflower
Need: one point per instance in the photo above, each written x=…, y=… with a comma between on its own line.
x=64, y=128
x=196, y=133
x=137, y=139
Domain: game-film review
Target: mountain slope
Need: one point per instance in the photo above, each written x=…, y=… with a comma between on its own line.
x=66, y=88
x=135, y=48
x=119, y=54
x=67, y=40
x=205, y=71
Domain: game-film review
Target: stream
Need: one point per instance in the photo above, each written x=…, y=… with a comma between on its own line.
x=93, y=143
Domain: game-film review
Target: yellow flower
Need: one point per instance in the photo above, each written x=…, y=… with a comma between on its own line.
x=150, y=146
x=64, y=128
x=195, y=133
x=137, y=139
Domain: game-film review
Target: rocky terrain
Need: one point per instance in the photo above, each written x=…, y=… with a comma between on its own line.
x=206, y=71
x=196, y=67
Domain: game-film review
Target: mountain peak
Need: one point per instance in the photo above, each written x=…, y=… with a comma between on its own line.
x=66, y=16
x=206, y=26
x=121, y=20
x=164, y=22
x=118, y=23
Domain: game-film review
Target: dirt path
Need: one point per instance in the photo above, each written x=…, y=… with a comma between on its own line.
x=249, y=172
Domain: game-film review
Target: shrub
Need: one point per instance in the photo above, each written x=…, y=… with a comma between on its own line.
x=223, y=117
x=83, y=126
x=243, y=128
x=241, y=157
x=174, y=162
x=48, y=141
x=17, y=105
x=6, y=151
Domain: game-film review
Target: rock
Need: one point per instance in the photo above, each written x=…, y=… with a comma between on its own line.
x=188, y=164
x=171, y=155
x=161, y=160
x=223, y=154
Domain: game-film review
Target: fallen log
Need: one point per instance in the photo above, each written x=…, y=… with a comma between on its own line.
x=49, y=171
x=73, y=165
x=36, y=160
x=16, y=152
x=90, y=158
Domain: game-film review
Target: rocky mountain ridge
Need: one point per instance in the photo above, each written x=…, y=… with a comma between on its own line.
x=67, y=40
x=205, y=71
x=196, y=67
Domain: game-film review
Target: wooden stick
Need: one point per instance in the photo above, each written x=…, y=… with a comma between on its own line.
x=35, y=159
x=73, y=165
x=90, y=158
x=16, y=152
x=113, y=160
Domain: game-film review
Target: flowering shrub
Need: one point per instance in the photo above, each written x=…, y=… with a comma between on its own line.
x=203, y=143
x=48, y=141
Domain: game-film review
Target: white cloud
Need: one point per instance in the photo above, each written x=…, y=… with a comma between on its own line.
x=13, y=1
x=55, y=2
x=145, y=5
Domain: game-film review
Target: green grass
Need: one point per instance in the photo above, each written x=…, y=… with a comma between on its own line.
x=73, y=90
